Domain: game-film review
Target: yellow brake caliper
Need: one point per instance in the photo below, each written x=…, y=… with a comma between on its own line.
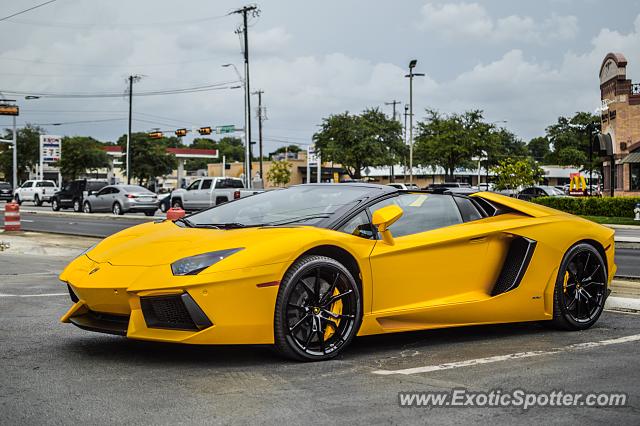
x=336, y=308
x=566, y=280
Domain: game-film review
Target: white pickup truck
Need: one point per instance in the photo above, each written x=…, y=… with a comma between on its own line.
x=37, y=191
x=208, y=192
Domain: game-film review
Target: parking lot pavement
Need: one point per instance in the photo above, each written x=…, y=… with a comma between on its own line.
x=54, y=373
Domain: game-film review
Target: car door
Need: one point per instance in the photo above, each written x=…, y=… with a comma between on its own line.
x=437, y=259
x=26, y=191
x=100, y=202
x=202, y=196
x=188, y=195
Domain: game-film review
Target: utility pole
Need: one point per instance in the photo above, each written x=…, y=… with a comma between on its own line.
x=412, y=65
x=261, y=117
x=132, y=79
x=392, y=176
x=404, y=159
x=8, y=107
x=247, y=88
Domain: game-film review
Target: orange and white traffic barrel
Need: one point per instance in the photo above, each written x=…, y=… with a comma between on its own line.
x=12, y=216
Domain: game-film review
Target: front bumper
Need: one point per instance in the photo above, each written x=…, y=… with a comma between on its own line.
x=149, y=303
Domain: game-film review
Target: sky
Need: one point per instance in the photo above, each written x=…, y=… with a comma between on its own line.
x=525, y=63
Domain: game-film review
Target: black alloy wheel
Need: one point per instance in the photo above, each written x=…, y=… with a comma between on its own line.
x=54, y=205
x=77, y=207
x=318, y=309
x=581, y=288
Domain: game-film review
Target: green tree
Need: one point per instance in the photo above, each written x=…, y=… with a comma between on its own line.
x=570, y=138
x=28, y=140
x=79, y=154
x=280, y=173
x=200, y=163
x=359, y=141
x=149, y=158
x=539, y=148
x=513, y=173
x=450, y=141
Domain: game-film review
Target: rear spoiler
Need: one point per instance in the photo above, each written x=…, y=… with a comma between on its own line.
x=530, y=209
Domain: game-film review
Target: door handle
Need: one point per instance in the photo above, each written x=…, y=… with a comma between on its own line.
x=474, y=240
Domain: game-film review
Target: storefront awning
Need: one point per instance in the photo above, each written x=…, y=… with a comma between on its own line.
x=634, y=157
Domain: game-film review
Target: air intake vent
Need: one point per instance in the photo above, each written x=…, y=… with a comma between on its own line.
x=515, y=265
x=178, y=312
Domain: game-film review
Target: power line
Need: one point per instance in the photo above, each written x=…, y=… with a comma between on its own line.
x=77, y=26
x=27, y=10
x=159, y=64
x=203, y=88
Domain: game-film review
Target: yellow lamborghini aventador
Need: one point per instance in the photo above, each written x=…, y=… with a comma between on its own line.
x=310, y=267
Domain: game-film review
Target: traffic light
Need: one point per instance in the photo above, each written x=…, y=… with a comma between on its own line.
x=181, y=132
x=9, y=109
x=204, y=130
x=155, y=135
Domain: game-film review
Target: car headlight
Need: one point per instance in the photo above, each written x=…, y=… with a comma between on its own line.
x=194, y=264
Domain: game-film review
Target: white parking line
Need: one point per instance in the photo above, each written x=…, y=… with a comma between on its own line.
x=34, y=295
x=517, y=355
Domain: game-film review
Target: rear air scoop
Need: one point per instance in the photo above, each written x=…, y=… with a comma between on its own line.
x=530, y=209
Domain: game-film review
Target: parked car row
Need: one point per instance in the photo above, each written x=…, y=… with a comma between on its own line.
x=528, y=193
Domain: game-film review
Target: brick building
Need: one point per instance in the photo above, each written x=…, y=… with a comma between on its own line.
x=621, y=119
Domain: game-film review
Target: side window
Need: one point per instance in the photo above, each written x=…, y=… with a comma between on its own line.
x=194, y=185
x=359, y=226
x=103, y=191
x=27, y=184
x=468, y=210
x=422, y=212
x=206, y=184
x=39, y=184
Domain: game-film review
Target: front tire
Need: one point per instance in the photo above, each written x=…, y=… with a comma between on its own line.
x=86, y=207
x=581, y=289
x=37, y=201
x=318, y=309
x=18, y=200
x=54, y=205
x=77, y=207
x=117, y=209
x=176, y=203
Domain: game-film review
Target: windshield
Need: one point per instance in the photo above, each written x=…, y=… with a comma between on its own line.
x=552, y=191
x=304, y=204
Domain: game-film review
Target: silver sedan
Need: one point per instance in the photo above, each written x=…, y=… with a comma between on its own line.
x=120, y=199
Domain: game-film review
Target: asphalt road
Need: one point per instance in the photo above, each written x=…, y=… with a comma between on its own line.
x=54, y=373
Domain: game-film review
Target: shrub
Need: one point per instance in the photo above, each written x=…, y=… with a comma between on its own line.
x=592, y=206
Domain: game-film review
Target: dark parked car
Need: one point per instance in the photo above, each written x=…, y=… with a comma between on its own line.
x=441, y=188
x=73, y=194
x=6, y=192
x=532, y=192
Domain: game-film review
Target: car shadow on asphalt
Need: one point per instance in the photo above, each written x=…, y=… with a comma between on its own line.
x=118, y=350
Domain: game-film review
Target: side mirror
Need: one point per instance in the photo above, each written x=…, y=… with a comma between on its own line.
x=385, y=217
x=92, y=192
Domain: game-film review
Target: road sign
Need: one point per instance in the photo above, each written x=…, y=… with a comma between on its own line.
x=225, y=129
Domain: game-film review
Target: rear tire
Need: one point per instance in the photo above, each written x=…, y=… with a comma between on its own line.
x=77, y=207
x=318, y=309
x=149, y=213
x=581, y=289
x=176, y=203
x=54, y=205
x=37, y=201
x=18, y=200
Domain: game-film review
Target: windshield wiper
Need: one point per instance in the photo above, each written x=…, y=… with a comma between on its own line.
x=298, y=219
x=228, y=225
x=186, y=221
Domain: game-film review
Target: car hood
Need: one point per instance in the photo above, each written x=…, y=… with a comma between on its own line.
x=162, y=243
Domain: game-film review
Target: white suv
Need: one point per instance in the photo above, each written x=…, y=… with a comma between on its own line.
x=37, y=191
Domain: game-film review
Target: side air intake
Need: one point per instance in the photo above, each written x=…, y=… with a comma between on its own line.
x=515, y=265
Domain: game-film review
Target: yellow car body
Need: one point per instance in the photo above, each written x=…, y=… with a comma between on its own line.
x=434, y=279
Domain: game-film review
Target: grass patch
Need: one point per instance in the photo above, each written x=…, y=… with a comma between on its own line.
x=613, y=220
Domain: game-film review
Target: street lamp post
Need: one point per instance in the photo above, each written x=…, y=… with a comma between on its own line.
x=14, y=111
x=247, y=119
x=412, y=65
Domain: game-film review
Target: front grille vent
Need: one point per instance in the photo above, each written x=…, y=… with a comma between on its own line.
x=177, y=311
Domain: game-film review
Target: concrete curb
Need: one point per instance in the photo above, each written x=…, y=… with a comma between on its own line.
x=91, y=215
x=623, y=226
x=625, y=304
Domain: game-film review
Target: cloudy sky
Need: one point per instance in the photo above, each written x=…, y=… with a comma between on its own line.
x=523, y=62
